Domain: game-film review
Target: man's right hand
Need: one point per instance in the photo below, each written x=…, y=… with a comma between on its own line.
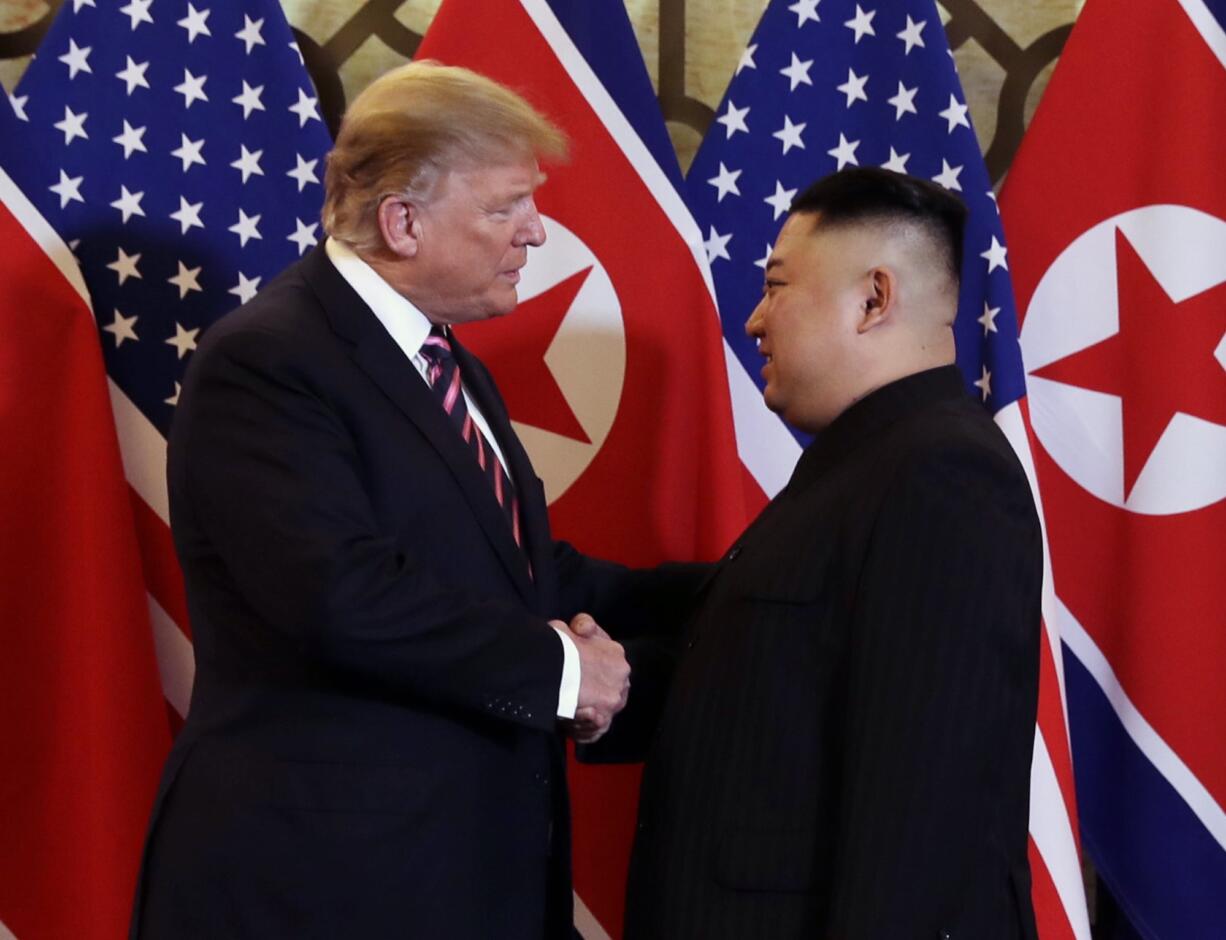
x=604, y=677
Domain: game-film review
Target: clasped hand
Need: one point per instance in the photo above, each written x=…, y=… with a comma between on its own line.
x=604, y=678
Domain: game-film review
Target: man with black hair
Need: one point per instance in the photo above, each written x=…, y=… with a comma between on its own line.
x=845, y=748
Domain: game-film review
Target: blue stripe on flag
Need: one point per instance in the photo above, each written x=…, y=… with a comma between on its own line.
x=1218, y=9
x=1163, y=861
x=605, y=36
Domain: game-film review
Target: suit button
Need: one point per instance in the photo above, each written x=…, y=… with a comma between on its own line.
x=945, y=935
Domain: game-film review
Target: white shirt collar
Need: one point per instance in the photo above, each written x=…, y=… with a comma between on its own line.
x=407, y=325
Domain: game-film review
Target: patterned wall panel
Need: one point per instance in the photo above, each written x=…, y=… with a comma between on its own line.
x=1004, y=49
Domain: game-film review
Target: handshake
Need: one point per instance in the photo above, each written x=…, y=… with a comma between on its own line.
x=604, y=678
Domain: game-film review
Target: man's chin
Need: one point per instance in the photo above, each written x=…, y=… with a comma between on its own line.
x=771, y=400
x=504, y=303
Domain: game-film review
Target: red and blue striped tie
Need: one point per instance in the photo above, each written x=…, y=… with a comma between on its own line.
x=443, y=373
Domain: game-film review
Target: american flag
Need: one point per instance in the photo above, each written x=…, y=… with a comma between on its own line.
x=186, y=170
x=827, y=84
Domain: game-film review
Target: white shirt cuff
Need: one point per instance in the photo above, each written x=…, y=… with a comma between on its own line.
x=568, y=694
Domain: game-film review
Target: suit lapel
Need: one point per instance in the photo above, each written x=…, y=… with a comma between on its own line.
x=377, y=354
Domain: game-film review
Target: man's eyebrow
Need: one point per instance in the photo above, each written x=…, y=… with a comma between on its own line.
x=773, y=263
x=531, y=188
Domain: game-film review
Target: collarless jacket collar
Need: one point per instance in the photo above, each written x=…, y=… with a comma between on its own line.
x=872, y=414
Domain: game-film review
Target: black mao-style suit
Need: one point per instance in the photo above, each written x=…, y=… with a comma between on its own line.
x=845, y=748
x=371, y=749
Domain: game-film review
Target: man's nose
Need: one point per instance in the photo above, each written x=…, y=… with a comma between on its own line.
x=753, y=326
x=532, y=232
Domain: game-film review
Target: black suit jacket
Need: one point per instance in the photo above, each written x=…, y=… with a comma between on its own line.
x=846, y=745
x=371, y=747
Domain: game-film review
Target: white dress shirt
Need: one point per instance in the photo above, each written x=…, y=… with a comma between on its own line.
x=409, y=327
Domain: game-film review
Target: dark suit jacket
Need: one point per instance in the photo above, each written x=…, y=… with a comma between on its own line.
x=371, y=747
x=846, y=745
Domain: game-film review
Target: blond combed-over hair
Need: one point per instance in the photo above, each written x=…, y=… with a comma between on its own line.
x=412, y=125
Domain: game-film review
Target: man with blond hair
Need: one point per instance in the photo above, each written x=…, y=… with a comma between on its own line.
x=378, y=607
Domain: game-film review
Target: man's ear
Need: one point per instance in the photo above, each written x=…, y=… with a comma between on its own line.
x=881, y=295
x=400, y=225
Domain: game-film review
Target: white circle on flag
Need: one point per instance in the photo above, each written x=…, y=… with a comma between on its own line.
x=587, y=357
x=1075, y=306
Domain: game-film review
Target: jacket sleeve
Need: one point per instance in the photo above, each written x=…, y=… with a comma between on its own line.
x=941, y=694
x=274, y=485
x=628, y=602
x=645, y=610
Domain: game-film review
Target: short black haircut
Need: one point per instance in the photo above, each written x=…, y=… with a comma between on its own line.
x=869, y=194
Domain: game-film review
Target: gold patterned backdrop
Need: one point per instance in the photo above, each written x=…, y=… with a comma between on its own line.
x=1005, y=50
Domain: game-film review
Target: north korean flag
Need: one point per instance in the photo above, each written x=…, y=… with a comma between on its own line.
x=1115, y=210
x=613, y=365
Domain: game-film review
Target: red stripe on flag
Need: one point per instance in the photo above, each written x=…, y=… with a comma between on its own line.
x=1052, y=712
x=163, y=577
x=82, y=728
x=1050, y=918
x=1055, y=732
x=755, y=497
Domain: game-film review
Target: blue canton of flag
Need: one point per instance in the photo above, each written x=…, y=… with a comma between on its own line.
x=828, y=84
x=187, y=160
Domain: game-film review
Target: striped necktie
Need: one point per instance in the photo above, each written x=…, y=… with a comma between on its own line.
x=443, y=374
